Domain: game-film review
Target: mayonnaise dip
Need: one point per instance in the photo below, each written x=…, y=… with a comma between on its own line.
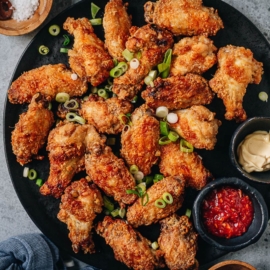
x=254, y=152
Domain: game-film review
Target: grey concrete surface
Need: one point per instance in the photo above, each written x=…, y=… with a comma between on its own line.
x=13, y=218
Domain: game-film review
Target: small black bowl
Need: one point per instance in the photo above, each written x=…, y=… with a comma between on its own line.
x=246, y=128
x=255, y=229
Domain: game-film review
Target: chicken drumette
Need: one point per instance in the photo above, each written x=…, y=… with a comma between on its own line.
x=78, y=208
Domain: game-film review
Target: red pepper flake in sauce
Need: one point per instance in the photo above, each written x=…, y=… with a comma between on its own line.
x=227, y=212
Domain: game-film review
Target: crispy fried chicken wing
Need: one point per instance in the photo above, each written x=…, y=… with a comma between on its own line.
x=193, y=54
x=31, y=132
x=192, y=17
x=152, y=42
x=174, y=162
x=78, y=208
x=47, y=80
x=66, y=146
x=178, y=241
x=104, y=114
x=198, y=126
x=138, y=214
x=178, y=92
x=129, y=246
x=88, y=57
x=116, y=23
x=140, y=145
x=110, y=174
x=236, y=69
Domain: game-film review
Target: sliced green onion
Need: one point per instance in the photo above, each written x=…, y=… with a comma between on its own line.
x=133, y=169
x=111, y=141
x=32, y=174
x=158, y=176
x=122, y=212
x=66, y=40
x=124, y=119
x=119, y=70
x=64, y=50
x=115, y=212
x=71, y=104
x=142, y=187
x=160, y=203
x=134, y=63
x=108, y=87
x=263, y=96
x=94, y=89
x=164, y=129
x=94, y=10
x=131, y=191
x=62, y=97
x=145, y=199
x=167, y=198
x=155, y=245
x=73, y=117
x=188, y=213
x=54, y=30
x=127, y=54
x=185, y=146
x=172, y=118
x=173, y=136
x=103, y=93
x=97, y=21
x=153, y=74
x=115, y=62
x=162, y=67
x=39, y=182
x=85, y=98
x=162, y=111
x=138, y=175
x=149, y=180
x=134, y=100
x=107, y=203
x=25, y=171
x=164, y=140
x=43, y=50
x=148, y=80
x=49, y=106
x=167, y=60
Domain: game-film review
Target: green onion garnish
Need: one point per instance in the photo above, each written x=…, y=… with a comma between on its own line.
x=164, y=68
x=164, y=140
x=71, y=104
x=94, y=10
x=73, y=117
x=94, y=89
x=188, y=213
x=54, y=30
x=134, y=100
x=97, y=21
x=115, y=212
x=185, y=146
x=108, y=204
x=32, y=174
x=64, y=50
x=160, y=203
x=119, y=70
x=66, y=40
x=62, y=97
x=167, y=197
x=43, y=50
x=164, y=129
x=155, y=245
x=39, y=182
x=263, y=96
x=133, y=169
x=149, y=180
x=127, y=54
x=173, y=136
x=102, y=93
x=145, y=199
x=122, y=212
x=158, y=176
x=25, y=171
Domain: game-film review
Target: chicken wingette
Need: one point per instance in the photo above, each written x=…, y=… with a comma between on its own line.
x=79, y=206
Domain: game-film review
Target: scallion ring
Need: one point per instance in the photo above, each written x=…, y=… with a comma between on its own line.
x=131, y=191
x=172, y=118
x=127, y=55
x=263, y=96
x=43, y=50
x=160, y=203
x=71, y=104
x=142, y=187
x=188, y=213
x=25, y=171
x=39, y=182
x=162, y=111
x=148, y=80
x=54, y=30
x=64, y=50
x=167, y=198
x=134, y=100
x=134, y=63
x=115, y=212
x=162, y=67
x=94, y=10
x=133, y=169
x=32, y=174
x=164, y=140
x=155, y=245
x=173, y=136
x=122, y=212
x=149, y=180
x=62, y=97
x=164, y=129
x=138, y=175
x=119, y=70
x=73, y=117
x=145, y=199
x=158, y=176
x=97, y=21
x=103, y=93
x=108, y=204
x=185, y=146
x=66, y=40
x=94, y=89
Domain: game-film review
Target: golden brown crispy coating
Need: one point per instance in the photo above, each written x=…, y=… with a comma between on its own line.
x=198, y=126
x=78, y=208
x=110, y=174
x=129, y=246
x=193, y=54
x=152, y=42
x=192, y=17
x=178, y=92
x=140, y=145
x=47, y=80
x=174, y=162
x=31, y=131
x=88, y=57
x=116, y=23
x=236, y=69
x=66, y=146
x=178, y=241
x=138, y=215
x=104, y=114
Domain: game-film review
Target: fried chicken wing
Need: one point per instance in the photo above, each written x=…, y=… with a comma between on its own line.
x=236, y=69
x=178, y=92
x=129, y=246
x=47, y=80
x=104, y=114
x=152, y=42
x=178, y=241
x=138, y=214
x=198, y=126
x=193, y=54
x=110, y=174
x=140, y=145
x=174, y=162
x=88, y=57
x=116, y=23
x=66, y=146
x=78, y=208
x=192, y=17
x=31, y=131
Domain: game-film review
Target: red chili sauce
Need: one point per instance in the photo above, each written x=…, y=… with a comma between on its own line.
x=227, y=212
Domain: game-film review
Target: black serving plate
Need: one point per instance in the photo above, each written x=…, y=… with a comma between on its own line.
x=238, y=30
